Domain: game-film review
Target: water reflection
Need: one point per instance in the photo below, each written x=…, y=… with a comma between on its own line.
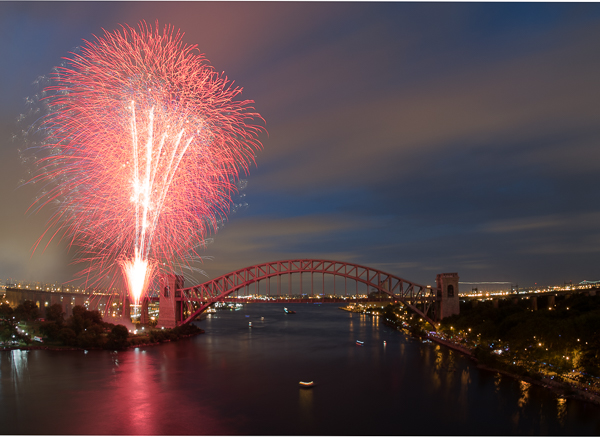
x=515, y=420
x=18, y=360
x=497, y=381
x=524, y=388
x=465, y=379
x=228, y=382
x=561, y=409
x=436, y=376
x=450, y=368
x=148, y=397
x=137, y=391
x=13, y=372
x=306, y=403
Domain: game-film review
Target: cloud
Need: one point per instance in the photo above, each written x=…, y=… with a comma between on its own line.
x=248, y=241
x=414, y=138
x=528, y=224
x=590, y=245
x=367, y=137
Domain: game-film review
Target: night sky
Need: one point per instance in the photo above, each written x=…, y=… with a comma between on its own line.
x=416, y=138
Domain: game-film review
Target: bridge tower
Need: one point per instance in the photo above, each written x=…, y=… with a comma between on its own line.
x=126, y=308
x=447, y=303
x=169, y=310
x=144, y=319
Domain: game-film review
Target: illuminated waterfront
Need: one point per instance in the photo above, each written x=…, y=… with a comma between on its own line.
x=240, y=380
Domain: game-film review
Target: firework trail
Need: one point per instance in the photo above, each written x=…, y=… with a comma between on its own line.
x=145, y=143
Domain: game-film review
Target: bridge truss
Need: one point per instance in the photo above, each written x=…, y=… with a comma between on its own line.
x=236, y=287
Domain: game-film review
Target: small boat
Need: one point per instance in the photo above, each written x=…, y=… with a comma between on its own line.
x=289, y=311
x=360, y=343
x=307, y=384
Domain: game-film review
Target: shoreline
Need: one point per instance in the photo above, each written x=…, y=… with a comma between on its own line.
x=70, y=348
x=562, y=389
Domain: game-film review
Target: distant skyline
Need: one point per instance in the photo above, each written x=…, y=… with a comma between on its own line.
x=415, y=138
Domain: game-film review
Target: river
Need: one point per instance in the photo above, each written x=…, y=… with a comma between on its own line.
x=236, y=379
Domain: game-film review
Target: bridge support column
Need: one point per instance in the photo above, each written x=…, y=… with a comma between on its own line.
x=551, y=301
x=126, y=308
x=144, y=319
x=534, y=303
x=68, y=308
x=447, y=303
x=55, y=299
x=169, y=312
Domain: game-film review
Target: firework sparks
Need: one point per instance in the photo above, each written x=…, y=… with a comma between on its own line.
x=145, y=144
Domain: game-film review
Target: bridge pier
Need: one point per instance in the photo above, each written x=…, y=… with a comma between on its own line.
x=447, y=303
x=169, y=310
x=126, y=308
x=144, y=319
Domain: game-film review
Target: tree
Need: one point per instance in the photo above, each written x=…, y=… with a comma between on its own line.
x=118, y=338
x=8, y=330
x=590, y=357
x=27, y=311
x=388, y=313
x=83, y=319
x=54, y=313
x=6, y=312
x=67, y=336
x=77, y=320
x=51, y=330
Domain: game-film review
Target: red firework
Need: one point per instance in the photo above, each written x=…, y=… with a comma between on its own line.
x=145, y=142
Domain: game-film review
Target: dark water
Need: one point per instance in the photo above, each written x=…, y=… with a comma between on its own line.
x=240, y=380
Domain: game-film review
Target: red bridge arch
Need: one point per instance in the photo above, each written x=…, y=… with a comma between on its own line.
x=398, y=289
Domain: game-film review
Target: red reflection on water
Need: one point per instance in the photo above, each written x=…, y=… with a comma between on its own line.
x=144, y=402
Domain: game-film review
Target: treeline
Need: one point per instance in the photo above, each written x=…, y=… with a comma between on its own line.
x=562, y=336
x=83, y=329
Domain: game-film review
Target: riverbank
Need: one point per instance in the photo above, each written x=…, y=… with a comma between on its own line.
x=133, y=344
x=463, y=350
x=562, y=389
x=33, y=348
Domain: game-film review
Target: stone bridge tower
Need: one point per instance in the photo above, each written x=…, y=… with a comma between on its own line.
x=169, y=308
x=447, y=303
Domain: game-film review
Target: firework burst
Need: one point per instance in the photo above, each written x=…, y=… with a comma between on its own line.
x=145, y=143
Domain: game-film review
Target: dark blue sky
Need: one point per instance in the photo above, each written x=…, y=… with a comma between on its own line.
x=417, y=138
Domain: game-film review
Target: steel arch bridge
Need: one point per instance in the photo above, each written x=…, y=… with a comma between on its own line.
x=387, y=287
